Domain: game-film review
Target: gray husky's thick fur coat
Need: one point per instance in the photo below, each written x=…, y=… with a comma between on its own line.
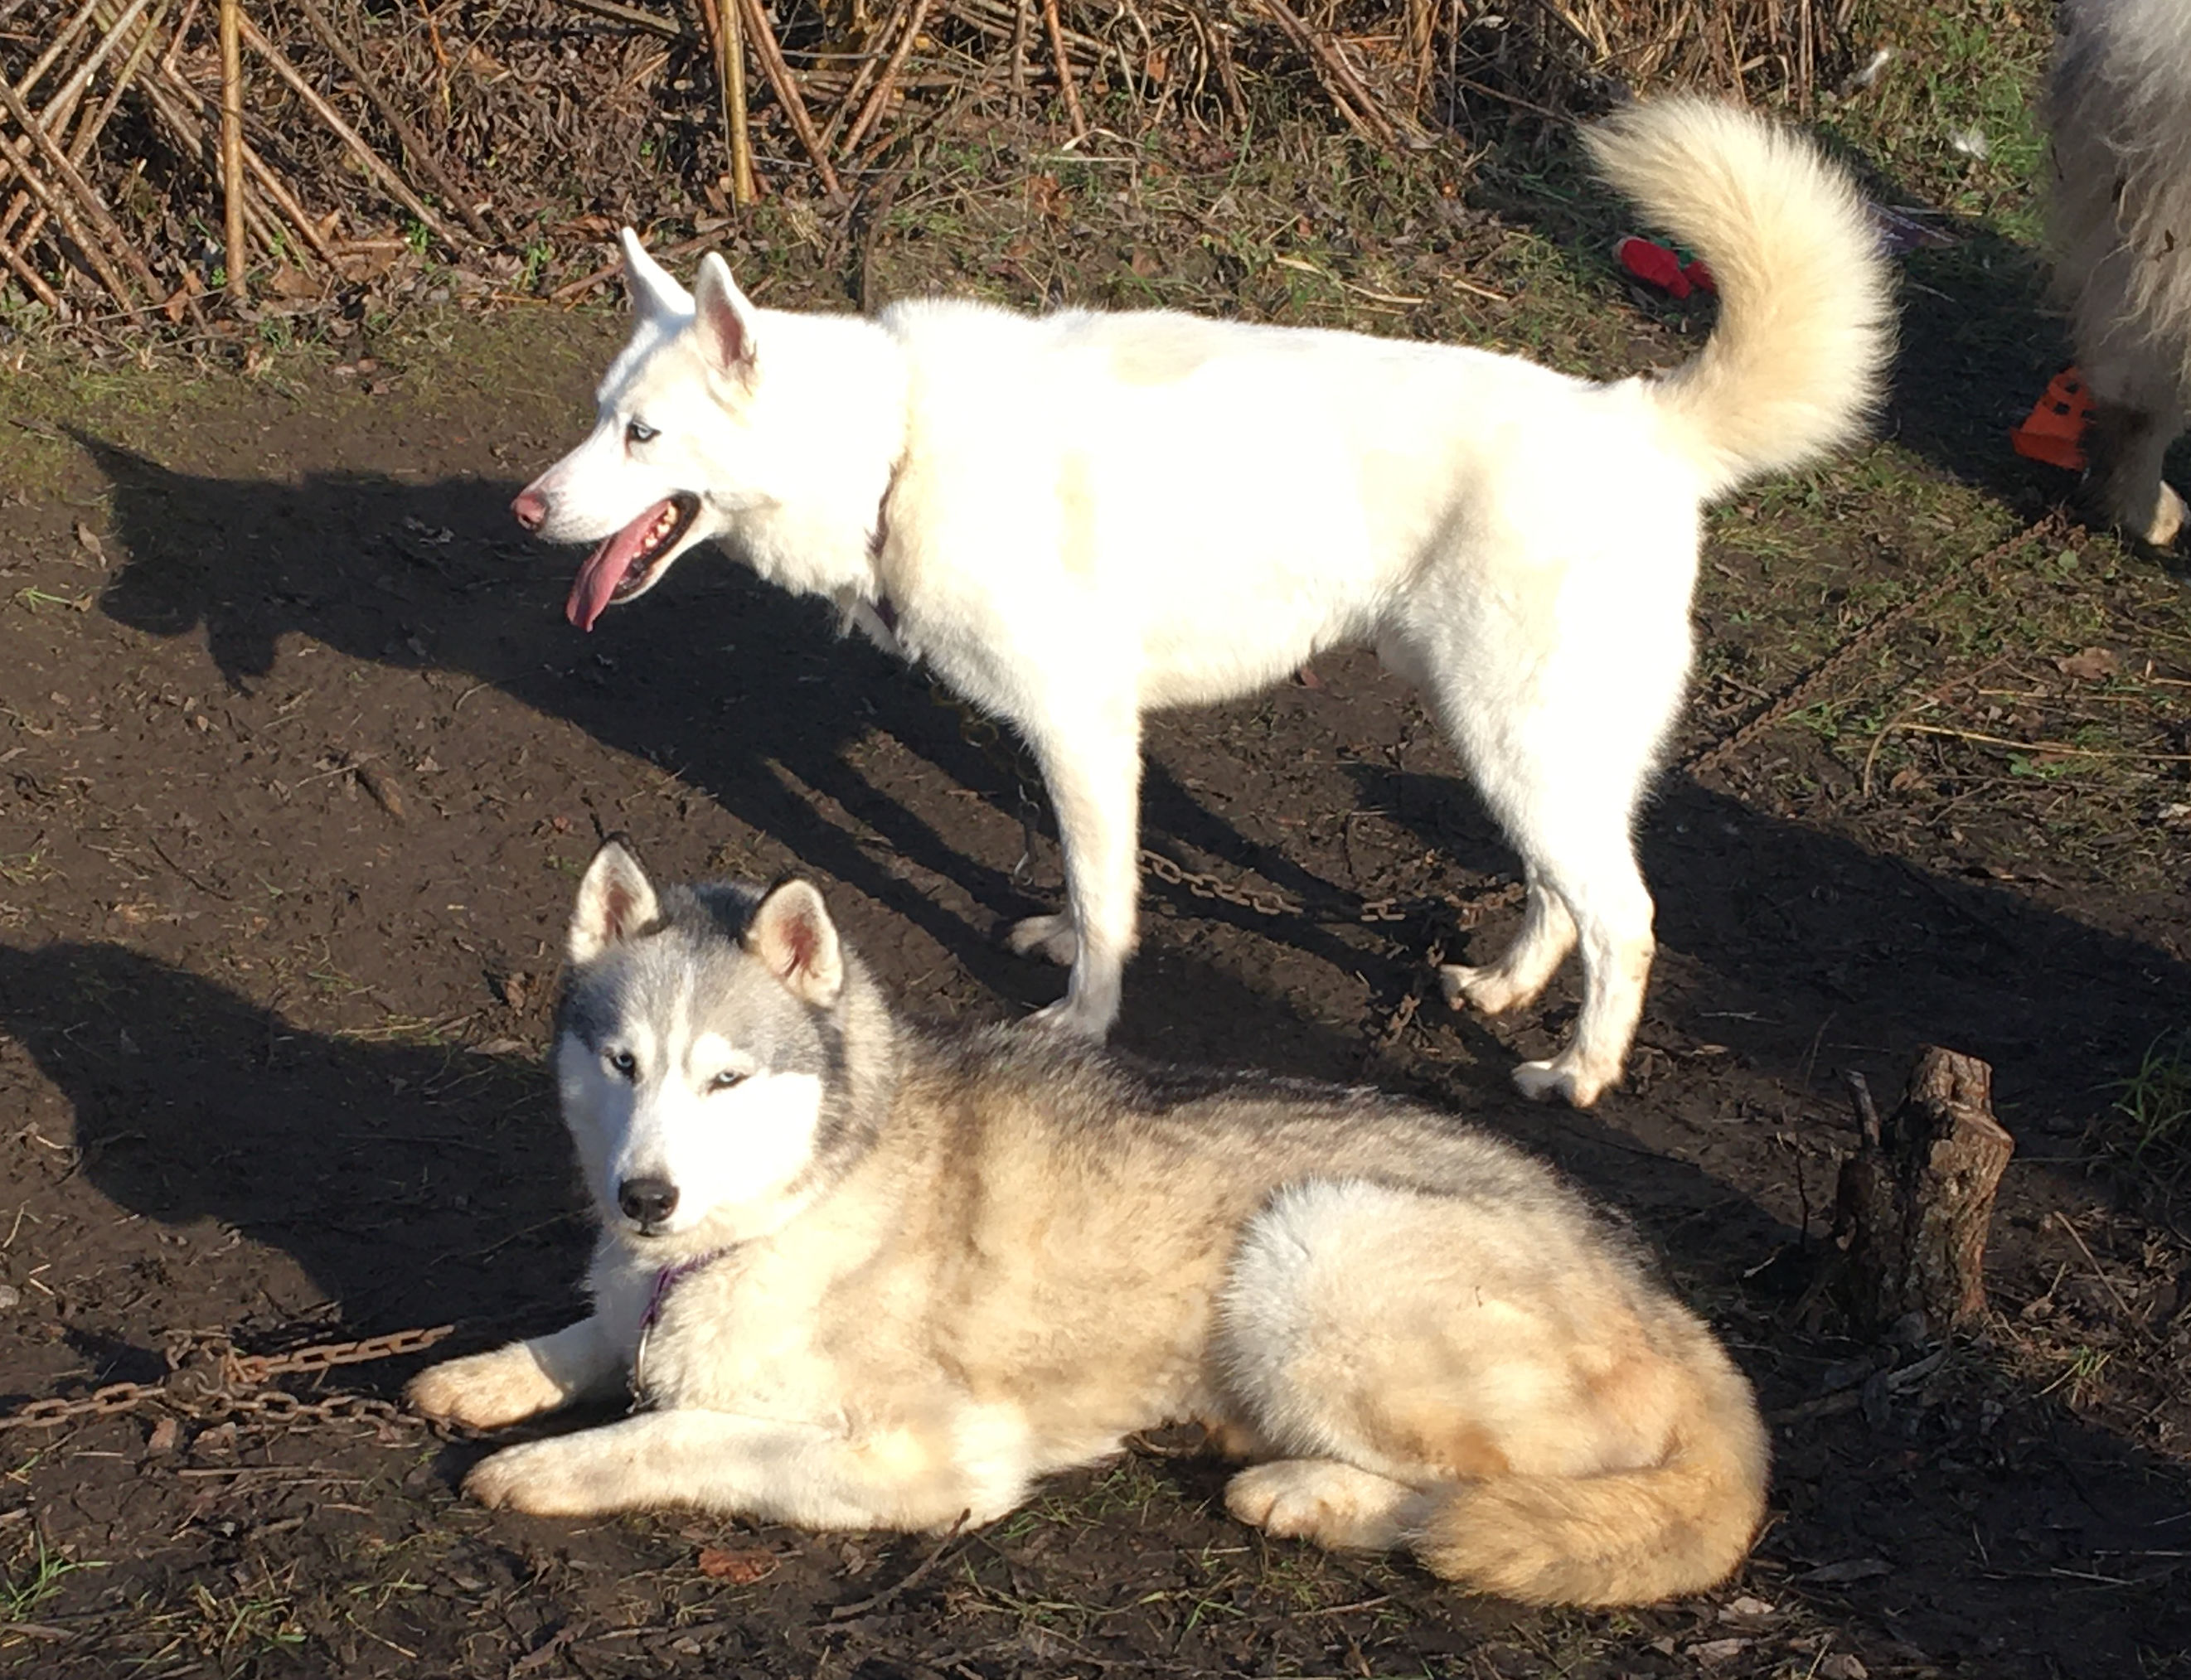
x=2118, y=104
x=865, y=1274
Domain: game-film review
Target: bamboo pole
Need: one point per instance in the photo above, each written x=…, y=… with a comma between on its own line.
x=727, y=43
x=181, y=105
x=231, y=142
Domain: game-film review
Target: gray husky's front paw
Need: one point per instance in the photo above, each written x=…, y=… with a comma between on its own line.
x=544, y=1479
x=486, y=1391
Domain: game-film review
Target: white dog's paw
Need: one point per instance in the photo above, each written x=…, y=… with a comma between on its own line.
x=1073, y=1018
x=485, y=1391
x=543, y=1478
x=1050, y=936
x=2167, y=522
x=1493, y=990
x=1332, y=1504
x=1561, y=1079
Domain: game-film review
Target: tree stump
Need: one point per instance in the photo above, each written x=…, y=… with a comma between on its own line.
x=1915, y=1200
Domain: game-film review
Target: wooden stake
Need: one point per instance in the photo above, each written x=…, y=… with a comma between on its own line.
x=1915, y=1200
x=231, y=141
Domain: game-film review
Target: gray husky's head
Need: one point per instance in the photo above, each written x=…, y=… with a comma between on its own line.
x=701, y=1053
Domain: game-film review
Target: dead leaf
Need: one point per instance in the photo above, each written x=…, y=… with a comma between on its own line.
x=2090, y=665
x=87, y=540
x=1719, y=1650
x=739, y=1568
x=165, y=1434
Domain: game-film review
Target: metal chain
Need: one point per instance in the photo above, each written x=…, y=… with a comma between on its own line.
x=1713, y=754
x=207, y=1377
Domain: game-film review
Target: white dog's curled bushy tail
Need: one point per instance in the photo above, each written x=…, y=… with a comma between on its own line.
x=1798, y=361
x=1625, y=1537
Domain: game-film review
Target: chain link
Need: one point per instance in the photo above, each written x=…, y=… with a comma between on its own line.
x=208, y=1378
x=1713, y=754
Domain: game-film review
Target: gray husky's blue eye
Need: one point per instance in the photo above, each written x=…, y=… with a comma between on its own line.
x=724, y=1080
x=640, y=432
x=625, y=1063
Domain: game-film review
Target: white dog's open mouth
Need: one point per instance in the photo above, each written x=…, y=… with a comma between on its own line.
x=628, y=563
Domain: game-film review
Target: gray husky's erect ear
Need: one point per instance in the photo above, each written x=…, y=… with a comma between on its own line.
x=616, y=900
x=723, y=317
x=792, y=935
x=654, y=289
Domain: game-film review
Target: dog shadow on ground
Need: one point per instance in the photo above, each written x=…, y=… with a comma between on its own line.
x=1803, y=952
x=723, y=680
x=717, y=676
x=410, y=1182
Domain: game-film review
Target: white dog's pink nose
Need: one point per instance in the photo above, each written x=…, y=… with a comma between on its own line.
x=531, y=508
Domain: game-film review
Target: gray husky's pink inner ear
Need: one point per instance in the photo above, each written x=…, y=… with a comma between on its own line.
x=616, y=900
x=722, y=317
x=792, y=935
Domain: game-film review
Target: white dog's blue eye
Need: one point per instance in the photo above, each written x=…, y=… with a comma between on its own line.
x=625, y=1063
x=640, y=432
x=724, y=1080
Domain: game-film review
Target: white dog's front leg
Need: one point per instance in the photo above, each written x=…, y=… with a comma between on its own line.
x=1092, y=767
x=520, y=1379
x=799, y=1474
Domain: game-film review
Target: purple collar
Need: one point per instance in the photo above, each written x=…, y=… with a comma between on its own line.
x=667, y=1278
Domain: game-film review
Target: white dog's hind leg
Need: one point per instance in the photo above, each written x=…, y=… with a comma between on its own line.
x=1547, y=936
x=1560, y=753
x=800, y=1473
x=1092, y=767
x=520, y=1379
x=1605, y=893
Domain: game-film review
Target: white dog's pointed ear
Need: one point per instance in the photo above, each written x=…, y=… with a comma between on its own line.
x=792, y=935
x=724, y=317
x=654, y=289
x=616, y=901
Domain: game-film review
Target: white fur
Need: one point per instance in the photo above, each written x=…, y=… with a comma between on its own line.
x=2120, y=217
x=1077, y=519
x=729, y=1153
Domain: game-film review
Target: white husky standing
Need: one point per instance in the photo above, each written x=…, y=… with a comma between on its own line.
x=2118, y=104
x=866, y=1275
x=1079, y=518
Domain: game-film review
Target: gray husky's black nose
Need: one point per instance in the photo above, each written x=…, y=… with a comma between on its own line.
x=648, y=1201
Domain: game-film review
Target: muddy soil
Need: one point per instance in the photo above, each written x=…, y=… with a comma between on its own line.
x=298, y=762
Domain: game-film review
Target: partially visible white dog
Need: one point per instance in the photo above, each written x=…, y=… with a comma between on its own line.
x=2118, y=104
x=1076, y=519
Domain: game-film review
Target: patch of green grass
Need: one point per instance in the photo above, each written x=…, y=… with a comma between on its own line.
x=2154, y=1105
x=37, y=1578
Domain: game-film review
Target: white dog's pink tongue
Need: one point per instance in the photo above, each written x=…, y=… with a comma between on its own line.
x=605, y=568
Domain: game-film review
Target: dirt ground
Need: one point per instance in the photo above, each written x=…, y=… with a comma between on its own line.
x=298, y=763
